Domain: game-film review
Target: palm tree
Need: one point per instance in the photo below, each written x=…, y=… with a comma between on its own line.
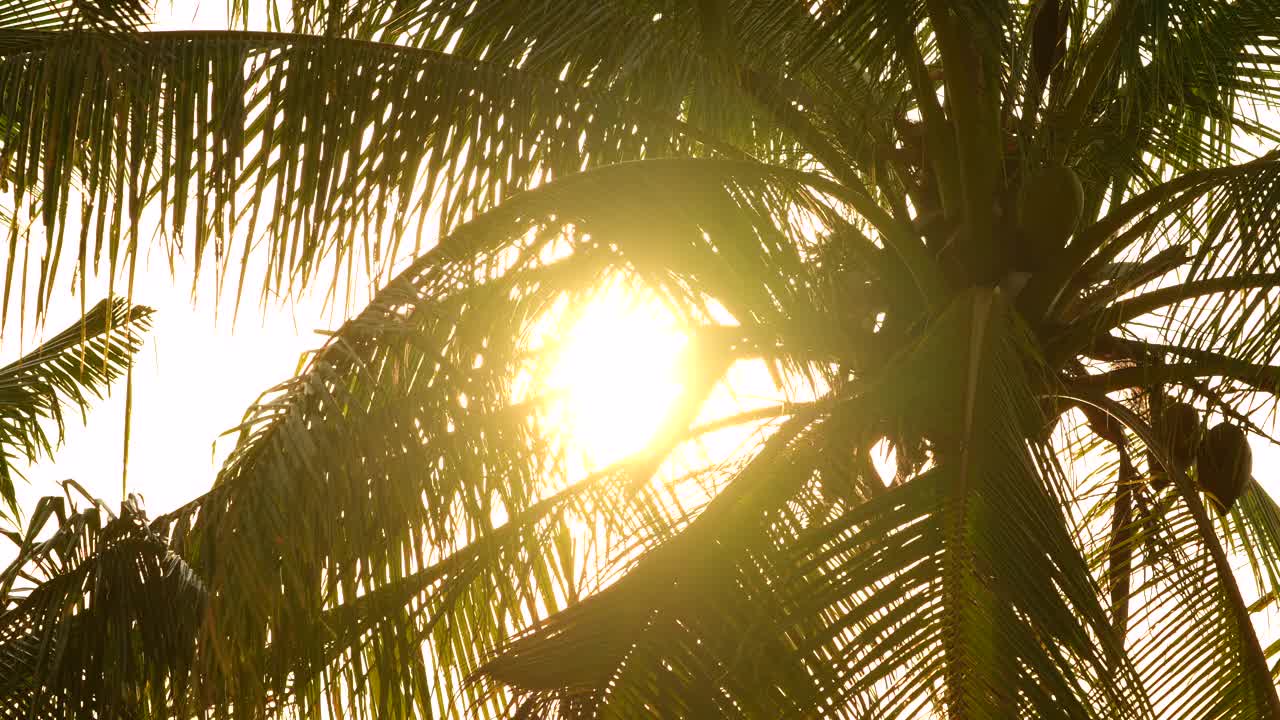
x=1032, y=246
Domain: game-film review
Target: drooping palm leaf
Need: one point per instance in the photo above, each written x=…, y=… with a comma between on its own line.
x=306, y=142
x=406, y=373
x=866, y=604
x=101, y=15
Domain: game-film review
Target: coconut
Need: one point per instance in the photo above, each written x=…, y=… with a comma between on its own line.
x=1224, y=463
x=1180, y=430
x=1050, y=203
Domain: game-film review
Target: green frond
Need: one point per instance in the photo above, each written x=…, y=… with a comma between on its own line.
x=1184, y=89
x=109, y=628
x=69, y=369
x=334, y=158
x=101, y=15
x=788, y=84
x=408, y=425
x=762, y=607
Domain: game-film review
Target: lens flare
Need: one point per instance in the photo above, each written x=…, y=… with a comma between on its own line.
x=617, y=370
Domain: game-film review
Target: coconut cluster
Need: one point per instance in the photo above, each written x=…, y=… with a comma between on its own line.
x=1221, y=454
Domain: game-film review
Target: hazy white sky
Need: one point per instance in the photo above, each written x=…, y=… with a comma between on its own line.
x=193, y=380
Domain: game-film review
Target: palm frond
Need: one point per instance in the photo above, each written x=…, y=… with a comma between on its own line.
x=408, y=423
x=1212, y=65
x=101, y=15
x=314, y=149
x=397, y=531
x=109, y=629
x=69, y=369
x=1183, y=557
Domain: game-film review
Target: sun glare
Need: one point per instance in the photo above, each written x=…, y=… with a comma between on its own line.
x=617, y=370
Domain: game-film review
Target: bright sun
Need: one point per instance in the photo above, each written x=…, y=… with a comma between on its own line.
x=618, y=371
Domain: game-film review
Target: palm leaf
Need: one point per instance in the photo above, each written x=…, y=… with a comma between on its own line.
x=224, y=129
x=70, y=368
x=109, y=629
x=695, y=623
x=405, y=373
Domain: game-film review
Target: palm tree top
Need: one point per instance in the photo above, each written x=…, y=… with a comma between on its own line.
x=1001, y=237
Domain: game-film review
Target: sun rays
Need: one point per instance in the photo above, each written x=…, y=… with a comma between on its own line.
x=617, y=370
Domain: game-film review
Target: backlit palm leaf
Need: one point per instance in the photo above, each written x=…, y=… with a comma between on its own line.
x=70, y=368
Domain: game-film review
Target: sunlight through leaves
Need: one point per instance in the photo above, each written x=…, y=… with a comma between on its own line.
x=617, y=371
